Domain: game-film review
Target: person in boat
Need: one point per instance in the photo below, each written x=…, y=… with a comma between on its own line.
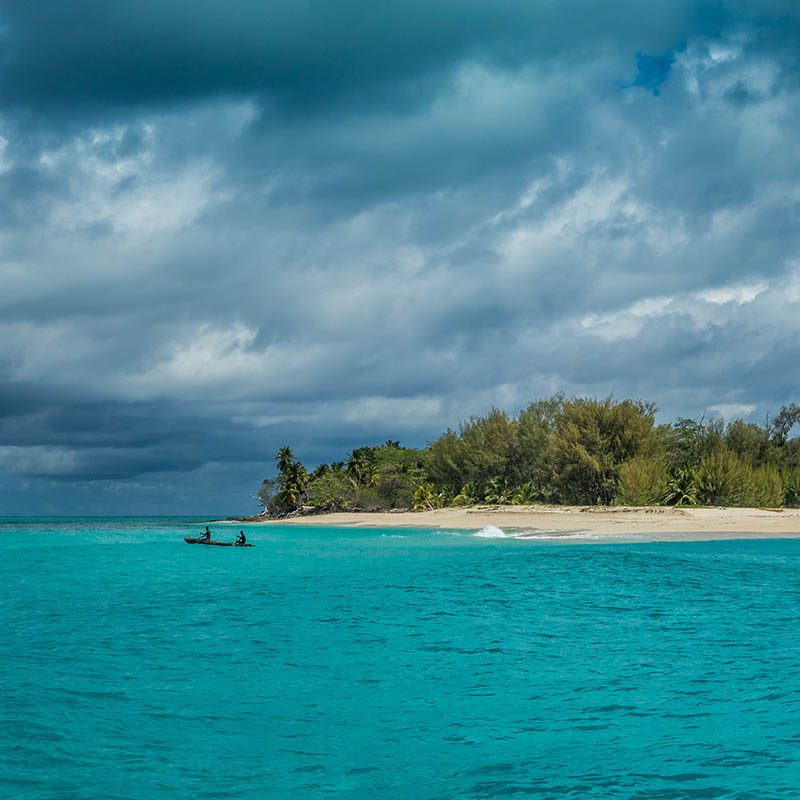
x=240, y=539
x=206, y=535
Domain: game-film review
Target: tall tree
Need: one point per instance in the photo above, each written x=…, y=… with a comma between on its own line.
x=293, y=479
x=782, y=423
x=530, y=460
x=592, y=440
x=285, y=458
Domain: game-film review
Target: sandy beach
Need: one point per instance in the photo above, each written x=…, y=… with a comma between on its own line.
x=657, y=523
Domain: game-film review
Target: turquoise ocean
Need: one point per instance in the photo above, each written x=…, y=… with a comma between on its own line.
x=378, y=663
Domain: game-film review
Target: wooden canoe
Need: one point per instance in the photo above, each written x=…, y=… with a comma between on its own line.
x=194, y=540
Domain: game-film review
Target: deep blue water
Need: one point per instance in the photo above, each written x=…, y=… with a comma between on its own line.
x=393, y=664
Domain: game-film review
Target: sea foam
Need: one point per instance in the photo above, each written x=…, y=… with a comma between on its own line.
x=492, y=532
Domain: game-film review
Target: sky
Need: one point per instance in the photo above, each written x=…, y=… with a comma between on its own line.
x=227, y=227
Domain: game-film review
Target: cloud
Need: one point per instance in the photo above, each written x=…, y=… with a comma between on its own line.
x=224, y=230
x=732, y=411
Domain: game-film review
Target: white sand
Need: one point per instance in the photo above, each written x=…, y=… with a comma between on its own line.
x=657, y=523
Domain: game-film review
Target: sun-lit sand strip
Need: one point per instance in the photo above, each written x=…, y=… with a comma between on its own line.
x=650, y=524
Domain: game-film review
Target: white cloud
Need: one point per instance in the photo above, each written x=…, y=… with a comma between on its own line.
x=731, y=411
x=739, y=294
x=400, y=411
x=137, y=197
x=489, y=236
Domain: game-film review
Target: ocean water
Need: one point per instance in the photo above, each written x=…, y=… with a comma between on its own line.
x=327, y=663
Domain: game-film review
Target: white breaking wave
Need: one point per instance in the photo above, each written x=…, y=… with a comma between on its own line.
x=491, y=532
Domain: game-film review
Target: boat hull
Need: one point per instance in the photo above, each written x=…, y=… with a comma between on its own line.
x=194, y=540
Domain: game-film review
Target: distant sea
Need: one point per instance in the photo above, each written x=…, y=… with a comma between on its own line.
x=355, y=663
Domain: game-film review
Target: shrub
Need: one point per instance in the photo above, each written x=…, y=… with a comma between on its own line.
x=332, y=491
x=468, y=496
x=426, y=498
x=790, y=478
x=367, y=499
x=764, y=487
x=642, y=482
x=681, y=487
x=721, y=479
x=395, y=491
x=526, y=495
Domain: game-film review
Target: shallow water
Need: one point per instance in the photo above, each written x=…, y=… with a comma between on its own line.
x=393, y=664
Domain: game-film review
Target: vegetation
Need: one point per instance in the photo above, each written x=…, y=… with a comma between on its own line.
x=558, y=450
x=288, y=491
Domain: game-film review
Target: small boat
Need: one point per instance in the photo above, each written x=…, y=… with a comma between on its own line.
x=195, y=540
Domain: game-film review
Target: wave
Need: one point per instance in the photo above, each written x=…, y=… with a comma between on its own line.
x=546, y=534
x=492, y=532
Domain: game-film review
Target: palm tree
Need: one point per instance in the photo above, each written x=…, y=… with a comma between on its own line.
x=468, y=496
x=285, y=459
x=293, y=480
x=525, y=495
x=361, y=467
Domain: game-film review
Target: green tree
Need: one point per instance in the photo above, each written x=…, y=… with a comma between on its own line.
x=487, y=443
x=285, y=459
x=332, y=490
x=446, y=465
x=477, y=454
x=749, y=441
x=573, y=450
x=373, y=478
x=269, y=488
x=687, y=441
x=293, y=480
x=396, y=472
x=530, y=461
x=782, y=423
x=361, y=466
x=592, y=440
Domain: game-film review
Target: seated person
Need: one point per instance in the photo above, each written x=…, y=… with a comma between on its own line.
x=240, y=539
x=206, y=535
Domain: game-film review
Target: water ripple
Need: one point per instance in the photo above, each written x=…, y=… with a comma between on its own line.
x=327, y=663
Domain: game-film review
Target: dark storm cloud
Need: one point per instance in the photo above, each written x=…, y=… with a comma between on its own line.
x=303, y=54
x=223, y=229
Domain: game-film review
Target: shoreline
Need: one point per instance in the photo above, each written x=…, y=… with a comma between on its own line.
x=652, y=523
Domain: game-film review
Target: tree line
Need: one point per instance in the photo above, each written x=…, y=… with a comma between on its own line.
x=564, y=450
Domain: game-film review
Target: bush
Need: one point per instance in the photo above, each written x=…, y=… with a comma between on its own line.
x=681, y=487
x=395, y=491
x=367, y=499
x=332, y=491
x=790, y=478
x=721, y=479
x=468, y=496
x=764, y=487
x=642, y=482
